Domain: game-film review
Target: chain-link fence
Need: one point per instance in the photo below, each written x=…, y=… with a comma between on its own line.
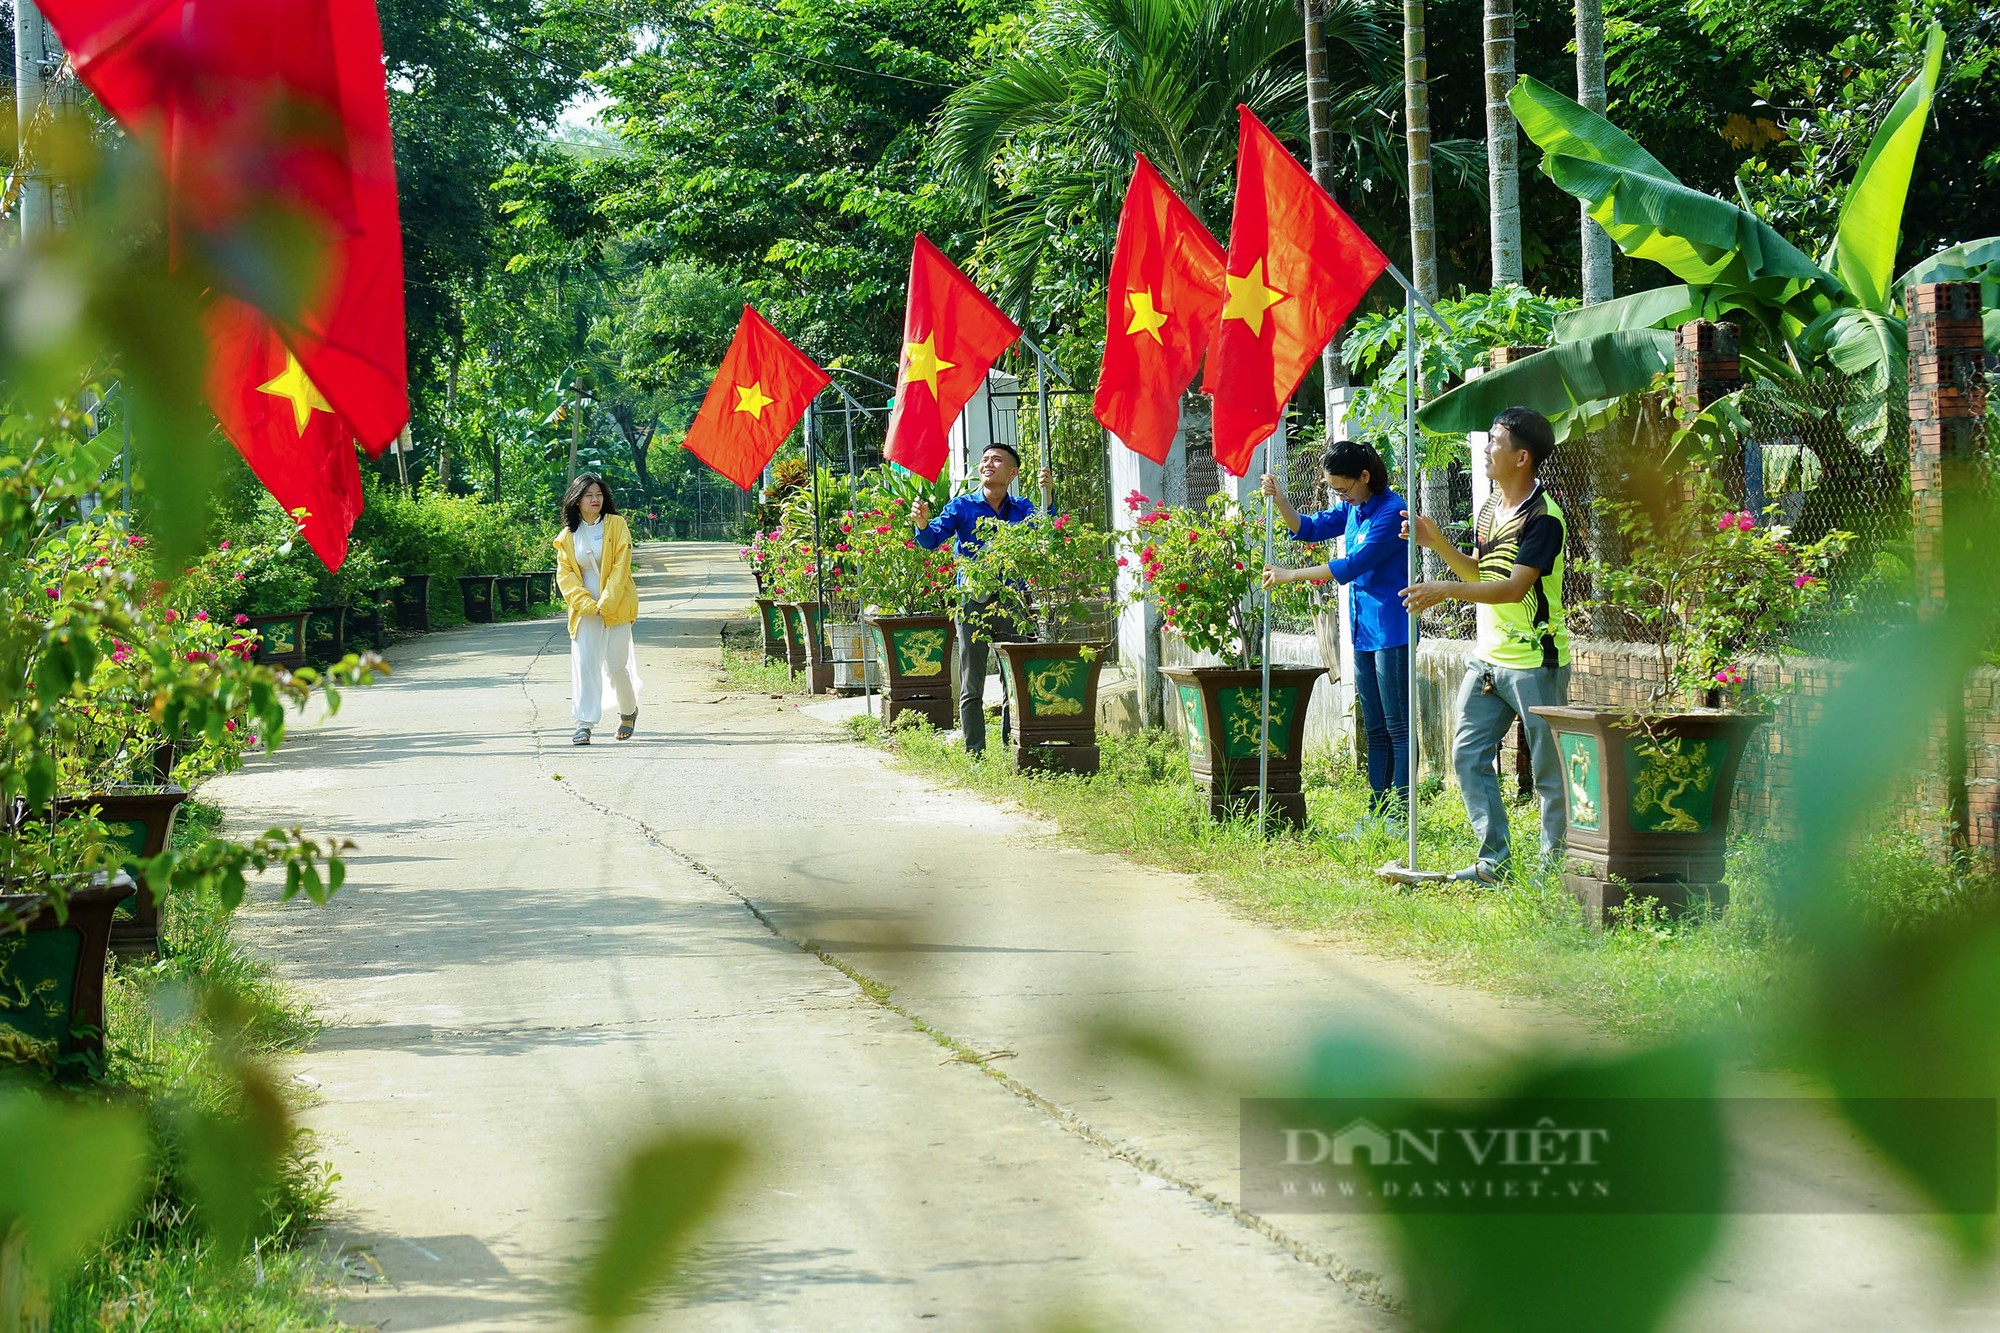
x=1819, y=455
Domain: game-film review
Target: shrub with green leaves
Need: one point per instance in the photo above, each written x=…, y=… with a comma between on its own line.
x=1053, y=570
x=895, y=576
x=1200, y=567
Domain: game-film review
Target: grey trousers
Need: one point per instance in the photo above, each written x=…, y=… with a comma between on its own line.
x=973, y=650
x=1491, y=698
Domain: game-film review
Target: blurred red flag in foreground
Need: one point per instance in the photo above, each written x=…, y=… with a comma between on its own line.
x=256, y=105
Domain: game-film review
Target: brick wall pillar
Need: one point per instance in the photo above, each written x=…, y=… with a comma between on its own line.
x=1707, y=367
x=1947, y=464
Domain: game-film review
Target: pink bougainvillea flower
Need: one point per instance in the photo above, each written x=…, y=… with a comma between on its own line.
x=1180, y=587
x=135, y=540
x=172, y=615
x=224, y=546
x=242, y=619
x=196, y=656
x=1744, y=523
x=1136, y=500
x=230, y=725
x=239, y=574
x=1194, y=537
x=201, y=616
x=53, y=594
x=1123, y=562
x=1062, y=521
x=1804, y=581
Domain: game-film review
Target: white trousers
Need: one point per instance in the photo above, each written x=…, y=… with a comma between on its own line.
x=598, y=651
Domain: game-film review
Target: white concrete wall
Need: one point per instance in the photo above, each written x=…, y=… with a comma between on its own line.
x=974, y=431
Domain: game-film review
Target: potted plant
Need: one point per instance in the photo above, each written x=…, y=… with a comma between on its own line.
x=273, y=586
x=1707, y=590
x=790, y=576
x=906, y=592
x=336, y=597
x=1199, y=567
x=1048, y=572
x=98, y=670
x=761, y=551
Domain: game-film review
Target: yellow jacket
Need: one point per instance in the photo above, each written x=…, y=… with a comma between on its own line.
x=618, y=602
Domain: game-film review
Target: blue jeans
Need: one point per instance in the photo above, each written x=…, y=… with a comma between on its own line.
x=1382, y=682
x=1491, y=698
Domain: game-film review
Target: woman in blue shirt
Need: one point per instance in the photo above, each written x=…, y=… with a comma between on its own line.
x=1376, y=570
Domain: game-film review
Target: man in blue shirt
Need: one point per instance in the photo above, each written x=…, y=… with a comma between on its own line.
x=1376, y=570
x=977, y=628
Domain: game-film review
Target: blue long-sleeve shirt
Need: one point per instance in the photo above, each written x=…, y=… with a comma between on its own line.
x=1376, y=566
x=960, y=519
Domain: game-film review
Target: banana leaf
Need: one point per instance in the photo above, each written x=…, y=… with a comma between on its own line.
x=1871, y=220
x=1968, y=261
x=1662, y=307
x=1873, y=349
x=1702, y=240
x=1564, y=382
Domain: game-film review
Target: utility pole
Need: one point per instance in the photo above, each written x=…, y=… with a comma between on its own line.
x=31, y=53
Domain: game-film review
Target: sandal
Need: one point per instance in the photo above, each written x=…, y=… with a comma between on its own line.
x=582, y=736
x=626, y=721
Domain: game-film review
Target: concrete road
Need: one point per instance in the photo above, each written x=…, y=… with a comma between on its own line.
x=739, y=919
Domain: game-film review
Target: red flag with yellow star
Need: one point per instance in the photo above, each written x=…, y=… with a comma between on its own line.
x=1166, y=293
x=1297, y=268
x=256, y=104
x=759, y=392
x=951, y=336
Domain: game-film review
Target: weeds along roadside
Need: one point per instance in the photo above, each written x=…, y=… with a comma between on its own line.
x=167, y=1050
x=1648, y=975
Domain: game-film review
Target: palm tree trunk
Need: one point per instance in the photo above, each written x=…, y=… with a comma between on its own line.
x=1590, y=92
x=1503, y=180
x=1319, y=122
x=1417, y=138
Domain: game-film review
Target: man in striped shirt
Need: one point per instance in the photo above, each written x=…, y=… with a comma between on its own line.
x=1513, y=579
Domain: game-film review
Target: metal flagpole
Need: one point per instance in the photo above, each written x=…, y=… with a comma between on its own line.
x=1410, y=364
x=1264, y=725
x=860, y=611
x=819, y=556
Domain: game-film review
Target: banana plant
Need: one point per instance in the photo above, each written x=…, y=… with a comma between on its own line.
x=1843, y=309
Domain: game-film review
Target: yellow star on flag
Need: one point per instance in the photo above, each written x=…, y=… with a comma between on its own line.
x=752, y=399
x=1145, y=317
x=924, y=362
x=1249, y=298
x=291, y=383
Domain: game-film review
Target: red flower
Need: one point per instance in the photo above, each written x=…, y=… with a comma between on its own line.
x=1123, y=562
x=1180, y=587
x=242, y=619
x=172, y=615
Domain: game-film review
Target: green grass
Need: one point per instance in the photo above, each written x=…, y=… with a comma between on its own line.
x=1646, y=975
x=744, y=670
x=163, y=1051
